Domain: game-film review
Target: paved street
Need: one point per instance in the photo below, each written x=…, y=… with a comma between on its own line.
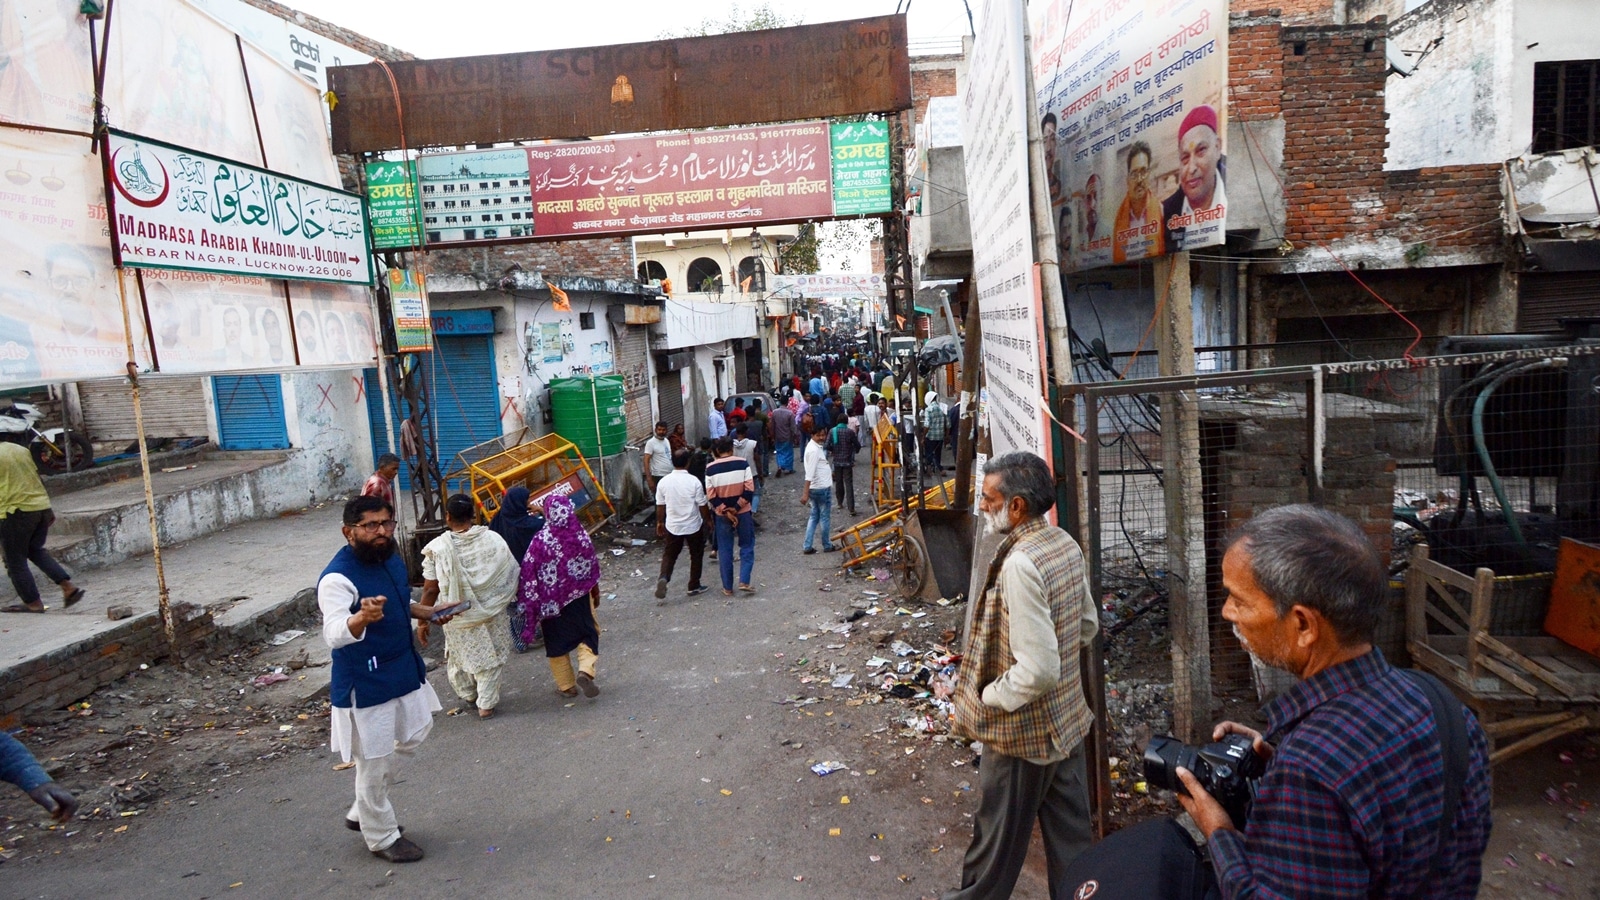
x=675, y=782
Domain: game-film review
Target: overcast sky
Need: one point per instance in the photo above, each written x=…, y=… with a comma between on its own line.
x=429, y=28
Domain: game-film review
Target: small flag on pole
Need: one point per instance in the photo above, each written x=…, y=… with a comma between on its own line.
x=560, y=298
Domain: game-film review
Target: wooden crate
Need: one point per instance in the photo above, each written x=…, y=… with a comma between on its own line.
x=1538, y=687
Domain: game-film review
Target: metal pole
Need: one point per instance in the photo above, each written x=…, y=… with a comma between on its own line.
x=163, y=600
x=967, y=432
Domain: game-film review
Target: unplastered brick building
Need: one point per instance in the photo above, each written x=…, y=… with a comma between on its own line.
x=1350, y=239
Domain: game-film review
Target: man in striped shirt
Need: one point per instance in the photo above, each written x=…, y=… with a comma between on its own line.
x=730, y=487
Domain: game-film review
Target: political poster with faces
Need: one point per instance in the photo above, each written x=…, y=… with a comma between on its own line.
x=1132, y=96
x=206, y=322
x=333, y=325
x=60, y=313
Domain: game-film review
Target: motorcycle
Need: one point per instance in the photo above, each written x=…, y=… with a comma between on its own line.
x=54, y=450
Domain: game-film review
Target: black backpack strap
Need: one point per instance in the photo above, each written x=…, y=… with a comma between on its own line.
x=1452, y=724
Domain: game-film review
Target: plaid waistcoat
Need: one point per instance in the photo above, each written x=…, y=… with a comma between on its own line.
x=1057, y=721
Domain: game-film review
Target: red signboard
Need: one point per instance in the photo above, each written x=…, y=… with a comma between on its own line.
x=681, y=181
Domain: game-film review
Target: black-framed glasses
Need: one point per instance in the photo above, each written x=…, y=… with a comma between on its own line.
x=371, y=527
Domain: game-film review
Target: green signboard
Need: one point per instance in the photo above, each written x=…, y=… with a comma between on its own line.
x=860, y=168
x=392, y=205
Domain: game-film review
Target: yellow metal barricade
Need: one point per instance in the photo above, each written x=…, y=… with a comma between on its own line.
x=545, y=465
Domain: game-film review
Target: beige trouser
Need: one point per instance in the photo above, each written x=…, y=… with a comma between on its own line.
x=373, y=777
x=482, y=687
x=561, y=667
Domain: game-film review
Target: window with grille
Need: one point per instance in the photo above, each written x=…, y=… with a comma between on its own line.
x=1566, y=104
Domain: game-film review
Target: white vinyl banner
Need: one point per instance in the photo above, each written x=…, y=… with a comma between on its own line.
x=216, y=323
x=46, y=76
x=173, y=73
x=60, y=315
x=843, y=284
x=178, y=209
x=333, y=324
x=1132, y=96
x=994, y=124
x=290, y=112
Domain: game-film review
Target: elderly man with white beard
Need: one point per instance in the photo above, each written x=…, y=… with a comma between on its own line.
x=1019, y=690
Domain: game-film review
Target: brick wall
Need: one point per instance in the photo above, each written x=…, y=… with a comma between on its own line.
x=1255, y=66
x=931, y=77
x=1252, y=462
x=74, y=672
x=1335, y=188
x=598, y=258
x=1297, y=11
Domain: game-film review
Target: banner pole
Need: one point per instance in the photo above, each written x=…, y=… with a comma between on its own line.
x=163, y=599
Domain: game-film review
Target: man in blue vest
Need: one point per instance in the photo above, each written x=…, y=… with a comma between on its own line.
x=383, y=705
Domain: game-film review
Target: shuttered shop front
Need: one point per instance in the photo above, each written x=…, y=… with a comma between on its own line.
x=633, y=364
x=1545, y=297
x=173, y=407
x=250, y=412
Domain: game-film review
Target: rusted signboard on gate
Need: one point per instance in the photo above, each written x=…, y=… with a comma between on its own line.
x=782, y=74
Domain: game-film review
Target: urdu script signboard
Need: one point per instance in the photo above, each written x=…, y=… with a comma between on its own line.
x=173, y=208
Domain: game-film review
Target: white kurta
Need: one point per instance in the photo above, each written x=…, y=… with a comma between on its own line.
x=377, y=727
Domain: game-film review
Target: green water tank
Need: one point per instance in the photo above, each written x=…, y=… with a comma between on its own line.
x=588, y=412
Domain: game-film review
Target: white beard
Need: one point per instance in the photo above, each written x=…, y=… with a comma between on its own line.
x=1252, y=651
x=998, y=523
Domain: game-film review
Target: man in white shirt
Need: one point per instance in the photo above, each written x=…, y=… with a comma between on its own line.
x=682, y=517
x=383, y=705
x=657, y=457
x=818, y=492
x=748, y=450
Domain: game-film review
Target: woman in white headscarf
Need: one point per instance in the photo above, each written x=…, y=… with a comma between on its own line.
x=471, y=564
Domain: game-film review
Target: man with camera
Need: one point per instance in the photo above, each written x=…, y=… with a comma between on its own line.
x=1019, y=690
x=1373, y=784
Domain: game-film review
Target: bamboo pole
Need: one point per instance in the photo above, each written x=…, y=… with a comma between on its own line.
x=163, y=599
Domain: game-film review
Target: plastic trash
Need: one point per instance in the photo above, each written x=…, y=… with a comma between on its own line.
x=284, y=637
x=843, y=681
x=827, y=768
x=901, y=648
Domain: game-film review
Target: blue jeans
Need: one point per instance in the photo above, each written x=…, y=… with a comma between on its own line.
x=746, y=532
x=821, y=516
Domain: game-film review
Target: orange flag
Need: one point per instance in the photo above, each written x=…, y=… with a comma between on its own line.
x=560, y=298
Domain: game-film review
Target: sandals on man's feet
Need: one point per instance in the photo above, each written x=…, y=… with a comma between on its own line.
x=21, y=608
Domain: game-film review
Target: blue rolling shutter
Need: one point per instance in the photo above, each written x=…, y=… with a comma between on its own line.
x=466, y=398
x=380, y=433
x=250, y=412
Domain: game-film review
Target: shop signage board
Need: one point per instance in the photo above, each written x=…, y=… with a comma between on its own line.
x=392, y=204
x=677, y=181
x=173, y=208
x=408, y=302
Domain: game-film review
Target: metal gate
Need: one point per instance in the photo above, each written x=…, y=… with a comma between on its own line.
x=669, y=395
x=466, y=399
x=173, y=407
x=1545, y=297
x=633, y=364
x=250, y=412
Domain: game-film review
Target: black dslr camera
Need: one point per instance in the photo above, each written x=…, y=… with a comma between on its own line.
x=1228, y=770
